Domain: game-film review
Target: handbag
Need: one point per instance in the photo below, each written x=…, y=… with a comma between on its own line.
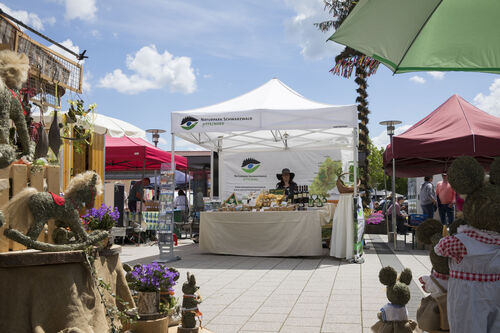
x=432, y=314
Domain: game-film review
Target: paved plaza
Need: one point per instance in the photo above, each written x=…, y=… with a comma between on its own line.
x=320, y=294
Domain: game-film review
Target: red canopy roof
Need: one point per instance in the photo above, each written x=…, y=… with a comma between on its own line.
x=454, y=129
x=129, y=153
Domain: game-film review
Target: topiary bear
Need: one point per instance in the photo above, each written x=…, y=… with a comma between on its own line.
x=432, y=312
x=393, y=317
x=474, y=251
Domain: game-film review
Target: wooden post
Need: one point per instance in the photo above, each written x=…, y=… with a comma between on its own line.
x=4, y=199
x=54, y=186
x=19, y=175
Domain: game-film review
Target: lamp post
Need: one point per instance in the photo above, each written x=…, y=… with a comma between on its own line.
x=390, y=131
x=156, y=135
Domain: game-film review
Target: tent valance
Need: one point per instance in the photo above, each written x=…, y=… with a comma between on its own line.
x=133, y=153
x=270, y=117
x=455, y=128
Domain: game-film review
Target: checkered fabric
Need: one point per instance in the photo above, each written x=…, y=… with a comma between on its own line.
x=440, y=276
x=451, y=247
x=474, y=276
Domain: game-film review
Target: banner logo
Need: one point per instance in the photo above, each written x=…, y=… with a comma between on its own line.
x=249, y=165
x=188, y=123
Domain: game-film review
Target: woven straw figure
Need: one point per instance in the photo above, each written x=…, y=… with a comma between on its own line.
x=393, y=317
x=190, y=302
x=29, y=210
x=432, y=313
x=13, y=73
x=474, y=251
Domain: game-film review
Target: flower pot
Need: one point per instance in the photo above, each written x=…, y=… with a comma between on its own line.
x=148, y=302
x=378, y=229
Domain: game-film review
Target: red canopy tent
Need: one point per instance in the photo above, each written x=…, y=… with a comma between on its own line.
x=134, y=153
x=455, y=128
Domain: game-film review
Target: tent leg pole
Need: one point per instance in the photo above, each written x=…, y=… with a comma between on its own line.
x=211, y=175
x=385, y=205
x=355, y=158
x=172, y=156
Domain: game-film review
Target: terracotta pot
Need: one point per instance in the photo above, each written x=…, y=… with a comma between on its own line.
x=148, y=302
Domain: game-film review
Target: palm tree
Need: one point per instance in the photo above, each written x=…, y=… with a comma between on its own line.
x=365, y=66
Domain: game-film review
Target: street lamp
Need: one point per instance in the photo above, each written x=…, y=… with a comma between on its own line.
x=156, y=135
x=390, y=131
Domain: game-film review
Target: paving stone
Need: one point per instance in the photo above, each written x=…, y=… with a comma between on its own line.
x=305, y=329
x=219, y=328
x=297, y=321
x=259, y=327
x=269, y=317
x=275, y=309
x=341, y=328
x=230, y=320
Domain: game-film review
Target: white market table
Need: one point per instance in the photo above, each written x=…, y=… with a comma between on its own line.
x=272, y=233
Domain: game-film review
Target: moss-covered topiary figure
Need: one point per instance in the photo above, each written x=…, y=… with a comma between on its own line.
x=432, y=312
x=473, y=252
x=393, y=317
x=29, y=210
x=13, y=73
x=190, y=302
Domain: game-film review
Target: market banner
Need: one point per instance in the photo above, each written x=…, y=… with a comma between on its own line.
x=248, y=172
x=359, y=229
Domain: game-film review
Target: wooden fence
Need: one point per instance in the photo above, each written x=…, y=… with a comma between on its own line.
x=13, y=180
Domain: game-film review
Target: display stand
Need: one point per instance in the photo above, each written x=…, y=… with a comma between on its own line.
x=165, y=227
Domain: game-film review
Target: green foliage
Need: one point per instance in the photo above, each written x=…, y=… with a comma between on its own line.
x=375, y=166
x=327, y=177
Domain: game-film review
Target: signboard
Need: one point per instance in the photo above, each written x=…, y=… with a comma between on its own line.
x=248, y=172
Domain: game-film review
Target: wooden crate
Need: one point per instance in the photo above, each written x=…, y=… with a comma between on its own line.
x=13, y=180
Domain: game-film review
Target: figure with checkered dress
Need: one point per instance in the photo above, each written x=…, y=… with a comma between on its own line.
x=474, y=251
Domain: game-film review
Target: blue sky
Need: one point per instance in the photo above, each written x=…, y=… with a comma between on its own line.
x=148, y=58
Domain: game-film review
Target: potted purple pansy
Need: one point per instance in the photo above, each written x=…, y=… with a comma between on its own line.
x=102, y=218
x=375, y=223
x=150, y=281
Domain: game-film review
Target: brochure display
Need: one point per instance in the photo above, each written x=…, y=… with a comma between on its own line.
x=165, y=226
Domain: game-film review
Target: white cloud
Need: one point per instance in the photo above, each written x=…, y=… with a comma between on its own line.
x=80, y=9
x=152, y=70
x=207, y=76
x=417, y=79
x=490, y=103
x=382, y=140
x=86, y=85
x=31, y=19
x=95, y=33
x=302, y=31
x=69, y=44
x=436, y=75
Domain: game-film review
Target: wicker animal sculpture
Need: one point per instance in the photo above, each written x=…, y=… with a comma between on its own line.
x=432, y=312
x=190, y=302
x=29, y=210
x=474, y=251
x=393, y=317
x=13, y=73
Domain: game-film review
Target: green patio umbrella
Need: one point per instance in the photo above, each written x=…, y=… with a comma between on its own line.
x=426, y=35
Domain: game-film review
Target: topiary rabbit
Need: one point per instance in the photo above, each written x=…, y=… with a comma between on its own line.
x=432, y=312
x=190, y=302
x=474, y=251
x=393, y=317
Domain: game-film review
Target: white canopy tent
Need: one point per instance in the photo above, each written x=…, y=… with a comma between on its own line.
x=272, y=117
x=101, y=125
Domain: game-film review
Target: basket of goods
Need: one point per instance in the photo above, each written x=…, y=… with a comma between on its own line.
x=341, y=186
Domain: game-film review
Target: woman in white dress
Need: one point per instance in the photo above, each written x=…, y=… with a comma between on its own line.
x=342, y=241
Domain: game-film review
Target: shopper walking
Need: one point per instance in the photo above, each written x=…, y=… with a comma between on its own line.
x=446, y=199
x=428, y=197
